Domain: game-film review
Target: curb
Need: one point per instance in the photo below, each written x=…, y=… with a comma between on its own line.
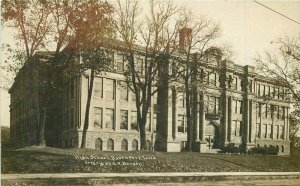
x=153, y=175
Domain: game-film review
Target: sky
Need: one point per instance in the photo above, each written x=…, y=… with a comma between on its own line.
x=246, y=26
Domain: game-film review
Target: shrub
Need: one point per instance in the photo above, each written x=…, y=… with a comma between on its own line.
x=271, y=150
x=231, y=148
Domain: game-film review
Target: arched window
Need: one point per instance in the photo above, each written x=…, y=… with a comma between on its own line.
x=135, y=145
x=110, y=144
x=148, y=145
x=124, y=145
x=282, y=149
x=98, y=144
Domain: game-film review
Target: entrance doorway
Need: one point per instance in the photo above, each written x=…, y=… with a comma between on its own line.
x=212, y=135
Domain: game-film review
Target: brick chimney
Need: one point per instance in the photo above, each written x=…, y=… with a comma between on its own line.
x=184, y=34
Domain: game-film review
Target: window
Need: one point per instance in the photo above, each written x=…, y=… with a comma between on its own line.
x=119, y=62
x=138, y=64
x=110, y=144
x=270, y=131
x=110, y=87
x=269, y=90
x=124, y=145
x=264, y=110
x=280, y=112
x=239, y=106
x=217, y=104
x=181, y=122
x=235, y=104
x=135, y=145
x=234, y=83
x=98, y=144
x=277, y=131
x=212, y=79
x=237, y=129
x=213, y=104
x=154, y=122
x=134, y=125
x=98, y=93
x=207, y=77
x=257, y=129
x=250, y=86
x=264, y=131
x=98, y=118
x=233, y=126
x=258, y=109
x=262, y=90
x=267, y=110
x=181, y=99
x=275, y=92
x=173, y=69
x=132, y=95
x=272, y=110
x=281, y=131
x=277, y=112
x=211, y=107
x=109, y=118
x=124, y=119
x=111, y=57
x=217, y=80
x=283, y=113
x=124, y=91
x=148, y=122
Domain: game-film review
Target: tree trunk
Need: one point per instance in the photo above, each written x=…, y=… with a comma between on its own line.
x=87, y=110
x=41, y=140
x=189, y=123
x=142, y=125
x=188, y=110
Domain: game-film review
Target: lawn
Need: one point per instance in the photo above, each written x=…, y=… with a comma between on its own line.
x=54, y=160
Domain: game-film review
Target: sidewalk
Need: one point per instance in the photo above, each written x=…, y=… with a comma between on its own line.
x=145, y=178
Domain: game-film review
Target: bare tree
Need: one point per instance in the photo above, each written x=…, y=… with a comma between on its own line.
x=284, y=67
x=197, y=36
x=59, y=24
x=157, y=35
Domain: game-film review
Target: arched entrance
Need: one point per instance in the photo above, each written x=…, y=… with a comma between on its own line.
x=110, y=144
x=98, y=144
x=135, y=145
x=213, y=135
x=124, y=145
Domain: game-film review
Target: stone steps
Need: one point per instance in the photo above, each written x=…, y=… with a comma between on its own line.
x=212, y=151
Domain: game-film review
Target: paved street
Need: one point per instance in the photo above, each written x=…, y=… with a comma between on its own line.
x=281, y=182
